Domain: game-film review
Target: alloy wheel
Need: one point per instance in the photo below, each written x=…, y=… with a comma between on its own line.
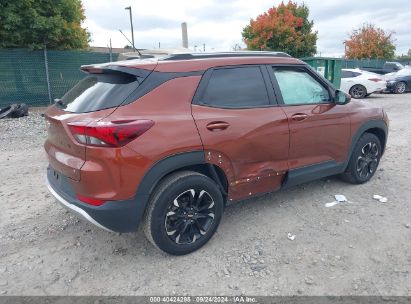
x=189, y=216
x=367, y=161
x=400, y=87
x=358, y=91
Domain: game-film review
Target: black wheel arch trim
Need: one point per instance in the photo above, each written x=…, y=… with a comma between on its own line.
x=369, y=125
x=159, y=170
x=165, y=166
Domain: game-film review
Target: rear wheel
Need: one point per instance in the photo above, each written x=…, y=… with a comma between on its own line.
x=358, y=91
x=364, y=159
x=399, y=88
x=183, y=213
x=7, y=111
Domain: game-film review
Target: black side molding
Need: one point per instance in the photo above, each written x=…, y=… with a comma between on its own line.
x=312, y=172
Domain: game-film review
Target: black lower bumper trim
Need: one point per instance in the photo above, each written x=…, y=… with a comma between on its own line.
x=117, y=216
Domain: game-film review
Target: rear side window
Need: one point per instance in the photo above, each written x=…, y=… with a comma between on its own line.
x=98, y=92
x=349, y=74
x=241, y=87
x=345, y=74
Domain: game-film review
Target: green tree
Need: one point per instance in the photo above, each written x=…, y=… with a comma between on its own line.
x=284, y=28
x=35, y=23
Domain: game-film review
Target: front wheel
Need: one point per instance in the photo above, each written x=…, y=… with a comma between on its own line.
x=399, y=88
x=183, y=213
x=364, y=160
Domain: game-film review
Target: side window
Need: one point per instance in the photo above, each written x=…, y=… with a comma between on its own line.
x=299, y=87
x=241, y=87
x=346, y=74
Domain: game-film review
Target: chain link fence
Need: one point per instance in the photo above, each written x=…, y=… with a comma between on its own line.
x=37, y=77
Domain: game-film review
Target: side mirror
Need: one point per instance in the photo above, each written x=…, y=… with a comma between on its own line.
x=342, y=98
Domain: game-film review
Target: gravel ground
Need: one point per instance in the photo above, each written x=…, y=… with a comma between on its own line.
x=357, y=248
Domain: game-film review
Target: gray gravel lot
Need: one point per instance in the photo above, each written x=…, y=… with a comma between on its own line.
x=360, y=248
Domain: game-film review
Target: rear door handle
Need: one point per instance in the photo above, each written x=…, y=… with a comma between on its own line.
x=299, y=117
x=217, y=125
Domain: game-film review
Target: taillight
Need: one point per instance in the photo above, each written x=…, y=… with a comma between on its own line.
x=90, y=200
x=375, y=79
x=109, y=134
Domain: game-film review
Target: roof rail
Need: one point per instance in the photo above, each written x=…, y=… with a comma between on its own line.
x=189, y=56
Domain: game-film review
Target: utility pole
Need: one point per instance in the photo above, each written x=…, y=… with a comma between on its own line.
x=131, y=23
x=111, y=52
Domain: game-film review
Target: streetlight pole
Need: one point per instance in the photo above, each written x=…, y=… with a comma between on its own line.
x=131, y=22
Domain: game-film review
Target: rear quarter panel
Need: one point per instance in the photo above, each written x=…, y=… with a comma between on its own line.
x=174, y=132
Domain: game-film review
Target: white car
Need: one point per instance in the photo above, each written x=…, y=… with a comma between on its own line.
x=360, y=84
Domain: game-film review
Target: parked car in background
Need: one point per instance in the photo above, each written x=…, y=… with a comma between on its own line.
x=360, y=84
x=388, y=67
x=399, y=82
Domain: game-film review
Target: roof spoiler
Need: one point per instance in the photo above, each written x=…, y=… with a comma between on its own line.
x=111, y=69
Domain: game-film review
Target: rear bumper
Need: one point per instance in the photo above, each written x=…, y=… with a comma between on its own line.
x=115, y=216
x=379, y=87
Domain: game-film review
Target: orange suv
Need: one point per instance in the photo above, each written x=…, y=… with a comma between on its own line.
x=170, y=142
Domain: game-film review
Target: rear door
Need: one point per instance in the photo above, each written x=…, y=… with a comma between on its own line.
x=243, y=130
x=319, y=128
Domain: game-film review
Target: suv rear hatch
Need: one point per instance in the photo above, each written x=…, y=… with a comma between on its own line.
x=105, y=88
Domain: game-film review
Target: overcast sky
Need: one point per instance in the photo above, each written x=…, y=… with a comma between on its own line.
x=219, y=24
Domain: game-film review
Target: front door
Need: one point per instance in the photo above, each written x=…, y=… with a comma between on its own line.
x=319, y=128
x=243, y=130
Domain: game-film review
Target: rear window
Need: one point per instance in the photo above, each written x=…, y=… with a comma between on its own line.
x=98, y=92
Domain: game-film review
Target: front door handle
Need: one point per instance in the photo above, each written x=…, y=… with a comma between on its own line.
x=217, y=125
x=299, y=117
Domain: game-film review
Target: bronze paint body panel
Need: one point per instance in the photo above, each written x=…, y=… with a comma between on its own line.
x=323, y=135
x=115, y=173
x=252, y=151
x=64, y=153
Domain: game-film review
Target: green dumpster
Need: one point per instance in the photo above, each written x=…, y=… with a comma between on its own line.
x=330, y=68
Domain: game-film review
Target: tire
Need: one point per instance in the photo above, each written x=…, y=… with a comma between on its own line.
x=20, y=111
x=358, y=91
x=364, y=160
x=6, y=112
x=399, y=87
x=169, y=222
